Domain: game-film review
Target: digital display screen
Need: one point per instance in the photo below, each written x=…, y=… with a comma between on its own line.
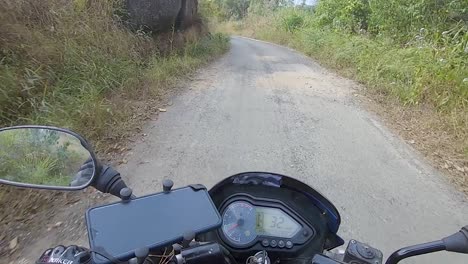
x=275, y=222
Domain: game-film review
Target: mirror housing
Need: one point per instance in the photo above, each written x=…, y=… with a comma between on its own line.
x=51, y=153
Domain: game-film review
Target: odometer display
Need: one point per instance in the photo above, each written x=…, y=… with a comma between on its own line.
x=274, y=222
x=243, y=223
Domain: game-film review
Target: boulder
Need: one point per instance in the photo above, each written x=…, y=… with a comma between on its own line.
x=156, y=15
x=161, y=15
x=187, y=14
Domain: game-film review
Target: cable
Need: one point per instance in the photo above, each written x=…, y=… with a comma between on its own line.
x=169, y=257
x=226, y=252
x=114, y=260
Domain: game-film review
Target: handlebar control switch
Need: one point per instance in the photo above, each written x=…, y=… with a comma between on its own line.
x=207, y=253
x=361, y=253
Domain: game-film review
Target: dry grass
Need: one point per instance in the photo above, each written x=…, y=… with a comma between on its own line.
x=428, y=132
x=74, y=64
x=60, y=61
x=67, y=63
x=421, y=92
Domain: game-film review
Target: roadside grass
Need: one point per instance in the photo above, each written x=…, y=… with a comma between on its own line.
x=424, y=80
x=74, y=64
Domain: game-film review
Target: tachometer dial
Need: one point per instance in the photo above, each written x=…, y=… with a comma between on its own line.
x=239, y=223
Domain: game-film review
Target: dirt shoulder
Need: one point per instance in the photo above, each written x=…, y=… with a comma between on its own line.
x=32, y=220
x=423, y=129
x=440, y=137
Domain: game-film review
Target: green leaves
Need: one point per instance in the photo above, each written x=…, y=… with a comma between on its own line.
x=400, y=18
x=348, y=15
x=292, y=21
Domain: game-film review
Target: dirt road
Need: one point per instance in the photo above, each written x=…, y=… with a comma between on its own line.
x=264, y=107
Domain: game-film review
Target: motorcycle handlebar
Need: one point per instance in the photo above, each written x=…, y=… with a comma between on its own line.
x=457, y=242
x=109, y=181
x=411, y=251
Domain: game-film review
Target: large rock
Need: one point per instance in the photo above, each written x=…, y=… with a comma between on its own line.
x=187, y=13
x=162, y=15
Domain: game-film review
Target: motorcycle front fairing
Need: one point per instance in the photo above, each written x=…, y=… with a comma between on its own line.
x=296, y=196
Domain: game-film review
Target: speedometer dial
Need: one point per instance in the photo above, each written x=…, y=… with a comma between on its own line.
x=239, y=222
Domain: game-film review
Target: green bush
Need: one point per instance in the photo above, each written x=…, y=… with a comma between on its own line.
x=400, y=19
x=350, y=15
x=292, y=21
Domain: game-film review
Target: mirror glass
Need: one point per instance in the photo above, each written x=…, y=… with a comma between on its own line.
x=44, y=157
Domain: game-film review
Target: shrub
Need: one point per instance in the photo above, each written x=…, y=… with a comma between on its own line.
x=292, y=21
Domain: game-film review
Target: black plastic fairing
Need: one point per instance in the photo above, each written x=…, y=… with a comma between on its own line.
x=296, y=196
x=282, y=181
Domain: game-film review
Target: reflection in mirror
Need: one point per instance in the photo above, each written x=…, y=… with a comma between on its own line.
x=44, y=157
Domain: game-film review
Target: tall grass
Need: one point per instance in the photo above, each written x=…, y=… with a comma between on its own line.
x=74, y=64
x=60, y=59
x=420, y=79
x=424, y=71
x=64, y=63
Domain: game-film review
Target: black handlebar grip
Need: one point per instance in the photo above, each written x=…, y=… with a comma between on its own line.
x=109, y=181
x=457, y=242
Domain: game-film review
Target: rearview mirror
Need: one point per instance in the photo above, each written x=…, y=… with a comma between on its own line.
x=46, y=158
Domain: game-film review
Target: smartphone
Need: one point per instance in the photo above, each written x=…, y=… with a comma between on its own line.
x=153, y=221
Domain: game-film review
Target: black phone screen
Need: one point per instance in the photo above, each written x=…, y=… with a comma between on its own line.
x=152, y=221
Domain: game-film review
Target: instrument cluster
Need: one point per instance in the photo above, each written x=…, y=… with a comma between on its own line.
x=249, y=221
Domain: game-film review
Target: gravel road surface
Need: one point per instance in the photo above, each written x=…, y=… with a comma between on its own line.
x=263, y=107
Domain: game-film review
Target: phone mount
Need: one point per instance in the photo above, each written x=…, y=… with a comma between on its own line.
x=126, y=194
x=167, y=185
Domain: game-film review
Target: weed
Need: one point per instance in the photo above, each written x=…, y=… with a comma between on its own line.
x=424, y=69
x=62, y=63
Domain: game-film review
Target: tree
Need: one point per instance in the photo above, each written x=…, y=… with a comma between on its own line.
x=236, y=8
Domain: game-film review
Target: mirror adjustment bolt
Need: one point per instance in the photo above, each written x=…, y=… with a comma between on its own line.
x=126, y=194
x=167, y=185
